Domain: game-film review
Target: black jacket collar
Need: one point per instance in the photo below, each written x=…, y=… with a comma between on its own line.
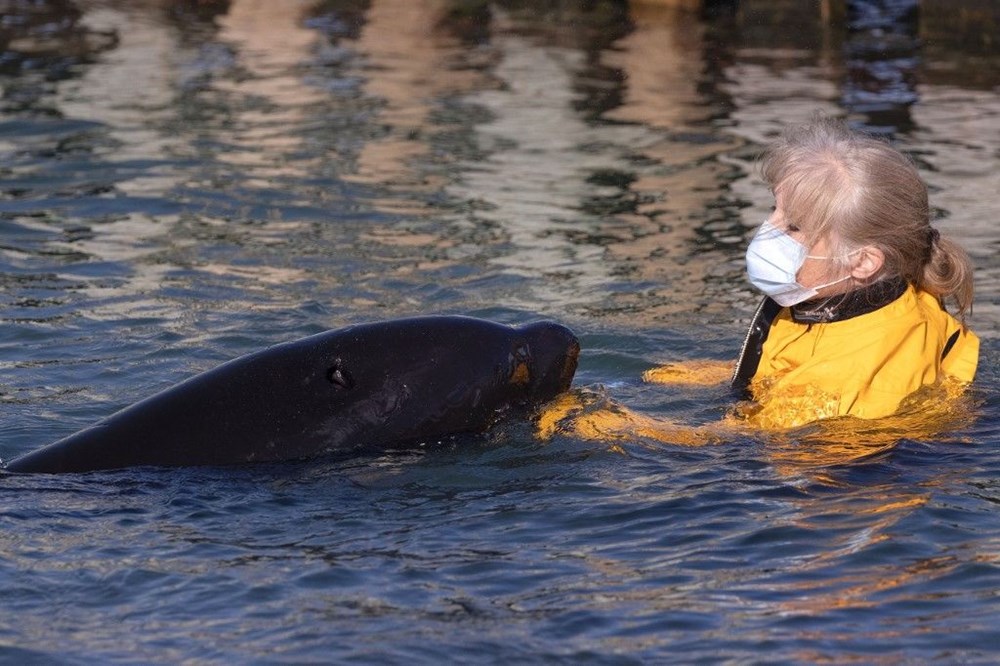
x=852, y=304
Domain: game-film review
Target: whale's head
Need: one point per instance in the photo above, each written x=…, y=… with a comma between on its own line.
x=544, y=360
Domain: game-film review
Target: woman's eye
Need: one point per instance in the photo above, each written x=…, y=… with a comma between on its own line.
x=792, y=228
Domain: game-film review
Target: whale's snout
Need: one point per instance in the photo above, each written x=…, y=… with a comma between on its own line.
x=554, y=354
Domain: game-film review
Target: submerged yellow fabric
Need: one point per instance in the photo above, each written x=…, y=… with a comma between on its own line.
x=697, y=372
x=592, y=416
x=863, y=367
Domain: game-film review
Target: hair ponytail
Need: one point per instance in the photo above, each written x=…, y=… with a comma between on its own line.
x=948, y=273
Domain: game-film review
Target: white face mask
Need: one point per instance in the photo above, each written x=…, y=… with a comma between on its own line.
x=773, y=262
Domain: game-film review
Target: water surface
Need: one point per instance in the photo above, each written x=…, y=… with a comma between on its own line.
x=184, y=182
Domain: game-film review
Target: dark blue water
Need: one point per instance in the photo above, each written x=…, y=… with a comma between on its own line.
x=184, y=182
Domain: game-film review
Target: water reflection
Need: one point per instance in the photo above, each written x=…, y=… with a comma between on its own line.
x=262, y=135
x=42, y=43
x=411, y=63
x=681, y=233
x=958, y=146
x=530, y=185
x=882, y=57
x=600, y=160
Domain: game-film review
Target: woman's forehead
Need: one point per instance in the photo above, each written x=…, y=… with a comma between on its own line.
x=797, y=195
x=806, y=213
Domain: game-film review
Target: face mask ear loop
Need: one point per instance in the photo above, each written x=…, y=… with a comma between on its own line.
x=849, y=275
x=830, y=284
x=827, y=258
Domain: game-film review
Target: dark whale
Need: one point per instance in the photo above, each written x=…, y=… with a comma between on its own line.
x=365, y=387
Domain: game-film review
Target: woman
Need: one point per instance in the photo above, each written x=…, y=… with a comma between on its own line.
x=855, y=281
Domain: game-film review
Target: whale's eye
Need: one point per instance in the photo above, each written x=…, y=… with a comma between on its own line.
x=338, y=376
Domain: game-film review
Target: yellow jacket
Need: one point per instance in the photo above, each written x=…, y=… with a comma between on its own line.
x=863, y=366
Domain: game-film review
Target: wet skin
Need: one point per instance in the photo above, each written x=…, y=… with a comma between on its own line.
x=365, y=387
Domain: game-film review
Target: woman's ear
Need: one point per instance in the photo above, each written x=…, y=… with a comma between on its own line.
x=868, y=264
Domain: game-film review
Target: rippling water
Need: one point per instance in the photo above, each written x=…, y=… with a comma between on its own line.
x=183, y=182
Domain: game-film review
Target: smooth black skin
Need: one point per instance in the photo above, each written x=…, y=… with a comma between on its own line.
x=365, y=387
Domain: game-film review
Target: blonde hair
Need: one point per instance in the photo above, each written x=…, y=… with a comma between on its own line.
x=856, y=190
